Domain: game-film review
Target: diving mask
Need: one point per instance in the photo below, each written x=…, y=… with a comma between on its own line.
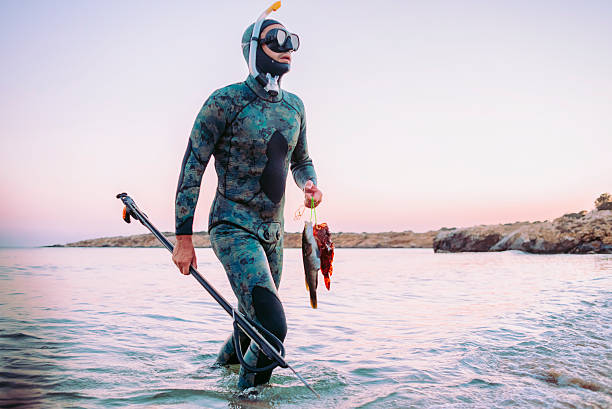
x=280, y=40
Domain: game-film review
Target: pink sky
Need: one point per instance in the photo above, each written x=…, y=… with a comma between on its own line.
x=437, y=115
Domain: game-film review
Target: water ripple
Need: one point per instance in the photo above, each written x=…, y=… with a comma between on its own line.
x=400, y=328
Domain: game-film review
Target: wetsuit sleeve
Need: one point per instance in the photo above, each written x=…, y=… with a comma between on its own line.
x=208, y=127
x=301, y=164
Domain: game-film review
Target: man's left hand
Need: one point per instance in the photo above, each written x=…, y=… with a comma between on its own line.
x=311, y=191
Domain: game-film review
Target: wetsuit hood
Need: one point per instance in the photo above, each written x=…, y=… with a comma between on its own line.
x=264, y=63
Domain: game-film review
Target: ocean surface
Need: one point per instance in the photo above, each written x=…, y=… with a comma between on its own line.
x=400, y=328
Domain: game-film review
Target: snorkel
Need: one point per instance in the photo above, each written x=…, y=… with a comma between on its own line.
x=269, y=82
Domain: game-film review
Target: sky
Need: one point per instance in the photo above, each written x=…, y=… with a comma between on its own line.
x=421, y=115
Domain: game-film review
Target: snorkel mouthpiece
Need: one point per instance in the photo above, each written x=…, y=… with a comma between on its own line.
x=269, y=82
x=272, y=86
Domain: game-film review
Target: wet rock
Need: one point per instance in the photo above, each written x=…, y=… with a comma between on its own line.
x=471, y=239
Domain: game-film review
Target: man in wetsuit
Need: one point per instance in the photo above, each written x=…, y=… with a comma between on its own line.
x=256, y=132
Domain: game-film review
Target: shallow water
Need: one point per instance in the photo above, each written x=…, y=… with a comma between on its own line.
x=400, y=328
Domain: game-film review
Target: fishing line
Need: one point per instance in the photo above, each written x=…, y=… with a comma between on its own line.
x=313, y=211
x=299, y=212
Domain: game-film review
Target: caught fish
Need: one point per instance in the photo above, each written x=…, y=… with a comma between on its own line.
x=312, y=261
x=318, y=253
x=326, y=251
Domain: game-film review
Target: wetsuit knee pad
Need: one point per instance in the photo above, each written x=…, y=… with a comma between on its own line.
x=269, y=311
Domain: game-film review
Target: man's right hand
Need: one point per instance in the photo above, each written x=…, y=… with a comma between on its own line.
x=184, y=253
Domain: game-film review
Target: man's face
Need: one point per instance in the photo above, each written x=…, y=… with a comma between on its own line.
x=285, y=57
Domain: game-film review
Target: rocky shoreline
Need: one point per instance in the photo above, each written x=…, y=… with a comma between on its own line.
x=406, y=239
x=573, y=233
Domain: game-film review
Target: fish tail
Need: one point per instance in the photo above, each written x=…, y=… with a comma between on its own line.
x=313, y=294
x=313, y=298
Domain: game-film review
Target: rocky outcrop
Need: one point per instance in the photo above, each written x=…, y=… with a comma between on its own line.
x=407, y=239
x=576, y=233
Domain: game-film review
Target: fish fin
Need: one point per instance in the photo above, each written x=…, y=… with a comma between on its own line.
x=327, y=282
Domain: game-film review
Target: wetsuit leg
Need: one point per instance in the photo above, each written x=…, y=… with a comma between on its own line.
x=227, y=354
x=246, y=263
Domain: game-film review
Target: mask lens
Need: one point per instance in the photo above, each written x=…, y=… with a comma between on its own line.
x=295, y=42
x=281, y=37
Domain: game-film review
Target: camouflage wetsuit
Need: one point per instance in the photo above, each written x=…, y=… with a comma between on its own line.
x=254, y=138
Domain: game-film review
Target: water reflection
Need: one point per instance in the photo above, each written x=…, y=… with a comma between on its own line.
x=119, y=327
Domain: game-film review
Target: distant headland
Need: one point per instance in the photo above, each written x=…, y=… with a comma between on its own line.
x=575, y=233
x=407, y=239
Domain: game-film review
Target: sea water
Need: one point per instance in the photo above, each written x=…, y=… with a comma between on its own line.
x=400, y=328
